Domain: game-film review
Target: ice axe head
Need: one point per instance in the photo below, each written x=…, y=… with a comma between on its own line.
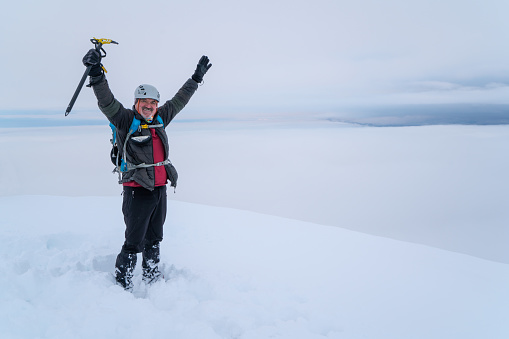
x=100, y=42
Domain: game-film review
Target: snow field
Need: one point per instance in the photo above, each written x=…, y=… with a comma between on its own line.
x=235, y=274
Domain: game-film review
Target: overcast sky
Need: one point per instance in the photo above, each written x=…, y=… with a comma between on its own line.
x=286, y=55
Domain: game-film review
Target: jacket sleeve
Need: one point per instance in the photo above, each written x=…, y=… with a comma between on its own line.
x=120, y=117
x=172, y=107
x=105, y=99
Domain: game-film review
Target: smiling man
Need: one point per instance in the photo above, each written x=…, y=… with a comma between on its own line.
x=147, y=107
x=144, y=150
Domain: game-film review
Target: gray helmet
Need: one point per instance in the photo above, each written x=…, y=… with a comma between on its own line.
x=146, y=92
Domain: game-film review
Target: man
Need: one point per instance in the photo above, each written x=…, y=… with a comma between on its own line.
x=146, y=169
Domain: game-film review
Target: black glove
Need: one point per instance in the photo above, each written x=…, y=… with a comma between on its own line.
x=202, y=68
x=93, y=58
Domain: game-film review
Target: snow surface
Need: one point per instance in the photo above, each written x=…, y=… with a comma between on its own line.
x=234, y=273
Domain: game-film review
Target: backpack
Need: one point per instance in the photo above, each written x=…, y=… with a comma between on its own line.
x=121, y=163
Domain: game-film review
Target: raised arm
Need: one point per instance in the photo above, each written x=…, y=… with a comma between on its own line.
x=172, y=107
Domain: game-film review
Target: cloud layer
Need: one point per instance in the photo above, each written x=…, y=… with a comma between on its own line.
x=267, y=56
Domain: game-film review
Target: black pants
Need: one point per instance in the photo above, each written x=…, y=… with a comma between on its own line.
x=144, y=216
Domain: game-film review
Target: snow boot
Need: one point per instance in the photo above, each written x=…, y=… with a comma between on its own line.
x=150, y=263
x=124, y=267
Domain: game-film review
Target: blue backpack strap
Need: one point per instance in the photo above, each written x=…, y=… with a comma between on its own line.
x=113, y=133
x=160, y=120
x=134, y=125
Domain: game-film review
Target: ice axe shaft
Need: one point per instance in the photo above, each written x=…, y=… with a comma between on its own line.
x=78, y=90
x=98, y=46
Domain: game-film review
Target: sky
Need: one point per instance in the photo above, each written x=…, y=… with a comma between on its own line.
x=307, y=57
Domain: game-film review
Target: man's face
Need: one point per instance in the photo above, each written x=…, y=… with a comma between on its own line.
x=147, y=108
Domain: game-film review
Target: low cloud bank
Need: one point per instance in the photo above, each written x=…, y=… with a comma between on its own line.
x=430, y=114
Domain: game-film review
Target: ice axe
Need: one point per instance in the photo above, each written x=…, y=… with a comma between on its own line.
x=98, y=47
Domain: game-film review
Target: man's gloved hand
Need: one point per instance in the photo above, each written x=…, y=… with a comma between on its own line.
x=93, y=58
x=202, y=68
